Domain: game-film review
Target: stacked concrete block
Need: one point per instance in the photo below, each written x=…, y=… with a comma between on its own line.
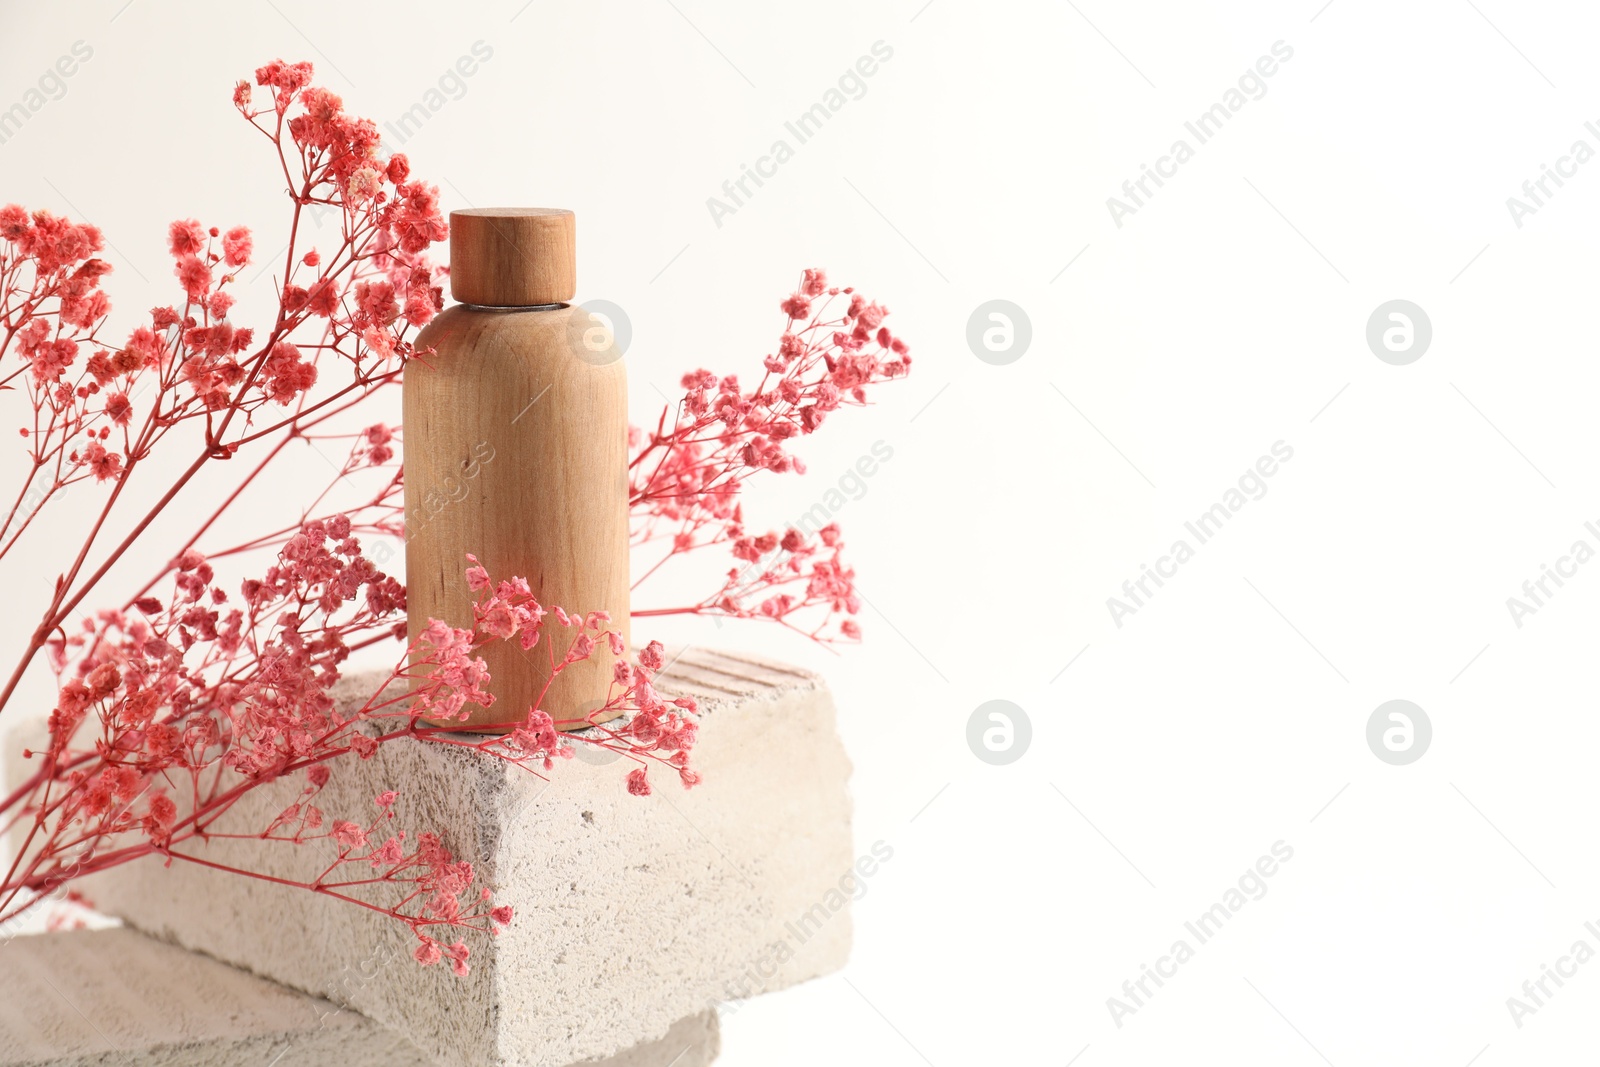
x=636, y=916
x=116, y=998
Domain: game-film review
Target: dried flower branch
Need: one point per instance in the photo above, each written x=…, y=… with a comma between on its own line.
x=686, y=475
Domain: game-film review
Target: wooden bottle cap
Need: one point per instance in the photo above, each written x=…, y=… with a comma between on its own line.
x=513, y=256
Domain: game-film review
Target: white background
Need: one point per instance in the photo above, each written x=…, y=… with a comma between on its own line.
x=1229, y=313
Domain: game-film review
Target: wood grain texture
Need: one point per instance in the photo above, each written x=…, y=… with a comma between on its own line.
x=513, y=257
x=516, y=451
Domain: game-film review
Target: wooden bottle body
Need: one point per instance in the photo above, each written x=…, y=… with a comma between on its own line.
x=516, y=452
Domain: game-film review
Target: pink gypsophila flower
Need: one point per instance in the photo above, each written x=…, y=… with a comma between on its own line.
x=194, y=276
x=185, y=237
x=237, y=246
x=348, y=834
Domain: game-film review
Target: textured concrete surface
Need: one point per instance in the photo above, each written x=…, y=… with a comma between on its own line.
x=632, y=913
x=111, y=998
x=116, y=997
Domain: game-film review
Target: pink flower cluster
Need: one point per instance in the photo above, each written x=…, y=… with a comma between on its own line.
x=653, y=728
x=52, y=307
x=209, y=699
x=687, y=474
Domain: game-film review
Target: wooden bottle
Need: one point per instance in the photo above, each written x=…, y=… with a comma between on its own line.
x=516, y=428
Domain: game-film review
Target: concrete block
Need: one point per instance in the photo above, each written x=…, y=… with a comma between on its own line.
x=633, y=913
x=692, y=1042
x=116, y=998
